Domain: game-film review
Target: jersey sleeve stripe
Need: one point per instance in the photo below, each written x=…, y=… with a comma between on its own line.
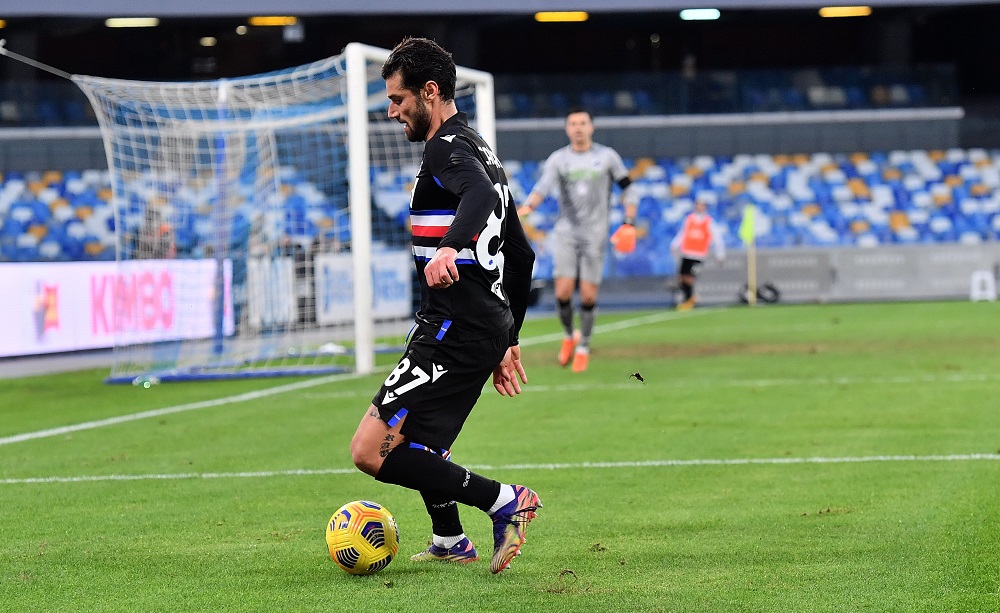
x=465, y=256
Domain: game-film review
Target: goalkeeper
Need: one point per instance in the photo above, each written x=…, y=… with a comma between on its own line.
x=584, y=172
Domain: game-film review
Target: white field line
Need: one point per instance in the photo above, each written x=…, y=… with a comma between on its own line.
x=191, y=406
x=281, y=389
x=624, y=324
x=635, y=386
x=488, y=467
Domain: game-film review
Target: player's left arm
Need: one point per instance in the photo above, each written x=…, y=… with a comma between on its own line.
x=464, y=176
x=624, y=238
x=622, y=179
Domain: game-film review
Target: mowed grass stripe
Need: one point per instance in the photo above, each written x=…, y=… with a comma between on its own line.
x=583, y=388
x=292, y=387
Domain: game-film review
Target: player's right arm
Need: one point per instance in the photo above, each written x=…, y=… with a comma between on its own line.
x=550, y=175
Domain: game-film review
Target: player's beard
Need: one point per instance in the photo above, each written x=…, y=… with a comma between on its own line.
x=419, y=124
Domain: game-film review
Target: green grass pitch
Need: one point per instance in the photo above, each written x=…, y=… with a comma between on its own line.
x=779, y=458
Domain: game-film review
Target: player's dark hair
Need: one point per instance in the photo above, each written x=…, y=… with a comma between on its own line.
x=578, y=109
x=419, y=60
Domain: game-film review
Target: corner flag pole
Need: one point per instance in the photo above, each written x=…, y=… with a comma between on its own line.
x=748, y=233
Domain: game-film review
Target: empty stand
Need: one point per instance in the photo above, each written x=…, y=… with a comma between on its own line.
x=858, y=200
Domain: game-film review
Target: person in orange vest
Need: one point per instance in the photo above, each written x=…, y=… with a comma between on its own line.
x=697, y=236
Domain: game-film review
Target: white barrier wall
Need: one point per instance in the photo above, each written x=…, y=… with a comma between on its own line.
x=392, y=286
x=910, y=272
x=53, y=307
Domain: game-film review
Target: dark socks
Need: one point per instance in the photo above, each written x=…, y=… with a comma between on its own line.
x=437, y=478
x=586, y=324
x=566, y=315
x=688, y=290
x=444, y=515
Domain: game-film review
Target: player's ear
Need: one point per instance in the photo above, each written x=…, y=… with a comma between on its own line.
x=429, y=89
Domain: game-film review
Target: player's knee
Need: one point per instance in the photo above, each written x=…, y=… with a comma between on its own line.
x=365, y=459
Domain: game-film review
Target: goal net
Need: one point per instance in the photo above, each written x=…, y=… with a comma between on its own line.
x=261, y=222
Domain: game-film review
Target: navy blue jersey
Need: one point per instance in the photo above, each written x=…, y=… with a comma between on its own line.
x=461, y=200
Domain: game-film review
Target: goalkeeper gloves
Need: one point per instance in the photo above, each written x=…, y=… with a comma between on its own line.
x=623, y=239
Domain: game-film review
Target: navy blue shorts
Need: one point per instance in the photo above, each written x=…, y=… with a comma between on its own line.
x=435, y=385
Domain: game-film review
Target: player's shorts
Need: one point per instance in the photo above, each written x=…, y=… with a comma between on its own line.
x=435, y=385
x=577, y=256
x=690, y=266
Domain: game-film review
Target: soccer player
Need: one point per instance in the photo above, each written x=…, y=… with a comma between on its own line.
x=696, y=237
x=474, y=266
x=584, y=173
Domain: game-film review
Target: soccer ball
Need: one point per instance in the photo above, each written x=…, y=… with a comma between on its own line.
x=363, y=537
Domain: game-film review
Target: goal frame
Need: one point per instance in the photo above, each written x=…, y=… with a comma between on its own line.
x=358, y=106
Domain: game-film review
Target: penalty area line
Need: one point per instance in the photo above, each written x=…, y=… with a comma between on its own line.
x=969, y=457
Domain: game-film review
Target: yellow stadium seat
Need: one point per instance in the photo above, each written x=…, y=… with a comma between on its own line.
x=640, y=167
x=859, y=188
x=892, y=174
x=978, y=189
x=898, y=220
x=38, y=230
x=860, y=226
x=942, y=199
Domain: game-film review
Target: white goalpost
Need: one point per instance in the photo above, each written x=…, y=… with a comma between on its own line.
x=261, y=221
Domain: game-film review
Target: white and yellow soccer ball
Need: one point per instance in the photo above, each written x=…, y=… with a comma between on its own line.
x=363, y=537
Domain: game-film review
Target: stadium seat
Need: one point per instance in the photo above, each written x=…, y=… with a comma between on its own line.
x=860, y=199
